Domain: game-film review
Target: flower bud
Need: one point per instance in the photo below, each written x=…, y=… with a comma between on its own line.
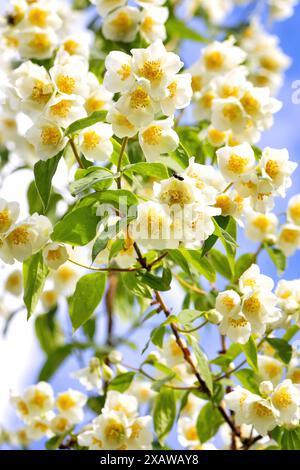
x=107, y=372
x=115, y=357
x=266, y=388
x=213, y=316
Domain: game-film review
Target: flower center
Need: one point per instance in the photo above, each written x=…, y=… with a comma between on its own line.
x=5, y=220
x=147, y=25
x=282, y=398
x=262, y=223
x=50, y=136
x=40, y=92
x=19, y=236
x=66, y=84
x=61, y=109
x=124, y=72
x=238, y=322
x=139, y=98
x=40, y=41
x=152, y=135
x=91, y=139
x=151, y=70
x=38, y=17
x=252, y=305
x=261, y=410
x=213, y=60
x=272, y=169
x=232, y=112
x=71, y=46
x=122, y=22
x=289, y=235
x=65, y=402
x=237, y=164
x=250, y=104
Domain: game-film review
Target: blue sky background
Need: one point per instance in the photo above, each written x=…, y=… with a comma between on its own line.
x=284, y=133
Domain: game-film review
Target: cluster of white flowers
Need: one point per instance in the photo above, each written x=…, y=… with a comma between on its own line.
x=279, y=406
x=149, y=87
x=266, y=61
x=250, y=312
x=33, y=29
x=122, y=22
x=217, y=11
x=20, y=240
x=36, y=408
x=182, y=211
x=223, y=95
x=118, y=427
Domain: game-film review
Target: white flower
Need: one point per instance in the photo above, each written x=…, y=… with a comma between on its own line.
x=152, y=25
x=70, y=78
x=28, y=237
x=261, y=414
x=289, y=239
x=228, y=302
x=33, y=85
x=260, y=227
x=147, y=3
x=65, y=278
x=266, y=388
x=207, y=178
x=106, y=6
x=275, y=165
x=119, y=75
x=157, y=66
x=187, y=431
x=36, y=401
x=90, y=377
x=122, y=24
x=158, y=138
x=293, y=210
x=47, y=138
x=252, y=279
x=177, y=192
x=141, y=389
x=14, y=283
x=220, y=57
x=9, y=212
x=39, y=427
x=55, y=255
x=98, y=99
x=60, y=425
x=229, y=114
x=236, y=327
x=152, y=226
x=179, y=94
x=281, y=9
x=76, y=44
x=40, y=16
x=121, y=403
x=236, y=401
x=286, y=399
x=288, y=295
x=70, y=404
x=95, y=143
x=49, y=299
x=65, y=109
x=137, y=104
x=235, y=162
x=121, y=126
x=270, y=369
x=259, y=307
x=36, y=43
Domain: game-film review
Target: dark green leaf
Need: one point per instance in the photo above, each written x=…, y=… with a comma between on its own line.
x=99, y=178
x=250, y=352
x=122, y=382
x=283, y=349
x=43, y=174
x=98, y=116
x=203, y=365
x=154, y=170
x=164, y=412
x=208, y=422
x=220, y=263
x=278, y=258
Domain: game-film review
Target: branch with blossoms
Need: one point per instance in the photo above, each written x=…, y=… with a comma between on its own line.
x=144, y=175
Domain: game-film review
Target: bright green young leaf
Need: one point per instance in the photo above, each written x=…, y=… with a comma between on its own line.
x=35, y=273
x=203, y=365
x=179, y=29
x=201, y=264
x=78, y=227
x=122, y=382
x=220, y=263
x=250, y=352
x=248, y=380
x=242, y=264
x=186, y=317
x=86, y=298
x=278, y=258
x=290, y=439
x=154, y=170
x=97, y=116
x=98, y=178
x=208, y=422
x=164, y=412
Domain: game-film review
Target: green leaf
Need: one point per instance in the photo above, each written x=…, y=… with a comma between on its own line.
x=48, y=331
x=283, y=349
x=250, y=352
x=290, y=440
x=115, y=197
x=54, y=361
x=178, y=258
x=99, y=178
x=109, y=233
x=133, y=283
x=248, y=380
x=164, y=412
x=122, y=382
x=43, y=174
x=158, y=384
x=291, y=332
x=202, y=265
x=186, y=317
x=54, y=442
x=157, y=336
x=158, y=283
x=220, y=263
x=154, y=170
x=242, y=264
x=98, y=116
x=208, y=422
x=178, y=29
x=78, y=227
x=278, y=258
x=35, y=273
x=96, y=404
x=86, y=298
x=189, y=137
x=203, y=365
x=181, y=156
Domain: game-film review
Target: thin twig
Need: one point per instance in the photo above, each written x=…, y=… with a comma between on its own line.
x=76, y=154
